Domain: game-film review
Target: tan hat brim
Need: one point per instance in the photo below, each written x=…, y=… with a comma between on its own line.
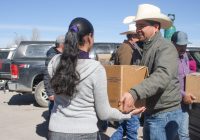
x=165, y=23
x=128, y=32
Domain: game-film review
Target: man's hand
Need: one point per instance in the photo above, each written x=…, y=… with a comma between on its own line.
x=127, y=102
x=51, y=98
x=189, y=99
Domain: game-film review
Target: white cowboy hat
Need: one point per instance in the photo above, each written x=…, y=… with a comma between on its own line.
x=151, y=12
x=130, y=20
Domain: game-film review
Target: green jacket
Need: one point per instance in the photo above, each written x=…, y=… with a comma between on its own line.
x=162, y=88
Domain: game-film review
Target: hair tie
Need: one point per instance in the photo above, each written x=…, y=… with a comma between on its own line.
x=74, y=28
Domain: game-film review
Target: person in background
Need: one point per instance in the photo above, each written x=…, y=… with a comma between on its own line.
x=192, y=63
x=180, y=41
x=162, y=88
x=80, y=87
x=128, y=53
x=59, y=47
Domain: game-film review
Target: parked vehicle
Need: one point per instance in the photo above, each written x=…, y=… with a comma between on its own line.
x=194, y=119
x=5, y=59
x=27, y=68
x=28, y=65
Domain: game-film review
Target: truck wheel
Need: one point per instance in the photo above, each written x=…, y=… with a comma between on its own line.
x=40, y=95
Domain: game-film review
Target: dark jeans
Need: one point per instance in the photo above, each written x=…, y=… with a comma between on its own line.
x=51, y=103
x=102, y=125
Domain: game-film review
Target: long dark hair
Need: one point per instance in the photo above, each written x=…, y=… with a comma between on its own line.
x=66, y=77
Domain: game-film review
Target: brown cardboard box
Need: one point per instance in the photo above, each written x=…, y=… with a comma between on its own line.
x=104, y=58
x=193, y=85
x=121, y=78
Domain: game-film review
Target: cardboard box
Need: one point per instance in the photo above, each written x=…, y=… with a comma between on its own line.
x=121, y=78
x=104, y=58
x=193, y=85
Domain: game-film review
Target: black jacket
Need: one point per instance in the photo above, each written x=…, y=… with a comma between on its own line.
x=50, y=53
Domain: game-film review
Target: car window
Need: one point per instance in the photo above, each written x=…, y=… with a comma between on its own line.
x=197, y=56
x=92, y=54
x=10, y=55
x=37, y=50
x=4, y=55
x=102, y=49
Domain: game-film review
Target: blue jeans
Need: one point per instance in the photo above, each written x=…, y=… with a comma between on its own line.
x=128, y=128
x=183, y=131
x=162, y=126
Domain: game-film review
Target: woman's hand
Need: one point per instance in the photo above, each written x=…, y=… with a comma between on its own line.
x=138, y=110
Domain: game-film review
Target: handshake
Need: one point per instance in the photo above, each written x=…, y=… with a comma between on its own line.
x=126, y=105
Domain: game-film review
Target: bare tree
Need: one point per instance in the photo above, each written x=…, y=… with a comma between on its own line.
x=18, y=39
x=35, y=34
x=9, y=45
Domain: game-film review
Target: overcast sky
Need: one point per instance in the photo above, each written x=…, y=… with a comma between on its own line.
x=52, y=17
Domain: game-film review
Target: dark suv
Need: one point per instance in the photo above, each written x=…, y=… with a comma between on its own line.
x=28, y=65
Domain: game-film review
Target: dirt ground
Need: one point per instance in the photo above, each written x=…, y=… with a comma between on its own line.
x=22, y=119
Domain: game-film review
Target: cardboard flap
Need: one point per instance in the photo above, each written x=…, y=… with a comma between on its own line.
x=142, y=67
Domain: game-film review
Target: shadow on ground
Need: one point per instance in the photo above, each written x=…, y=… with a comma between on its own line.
x=23, y=99
x=42, y=129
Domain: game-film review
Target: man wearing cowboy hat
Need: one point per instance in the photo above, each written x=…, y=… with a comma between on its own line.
x=127, y=54
x=124, y=54
x=162, y=88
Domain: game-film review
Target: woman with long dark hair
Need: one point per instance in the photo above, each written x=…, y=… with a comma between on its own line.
x=80, y=87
